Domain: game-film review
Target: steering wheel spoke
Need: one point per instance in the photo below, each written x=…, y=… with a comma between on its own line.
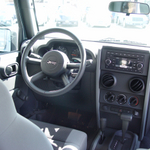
x=31, y=60
x=36, y=76
x=73, y=65
x=65, y=79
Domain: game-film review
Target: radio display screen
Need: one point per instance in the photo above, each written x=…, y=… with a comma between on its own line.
x=123, y=63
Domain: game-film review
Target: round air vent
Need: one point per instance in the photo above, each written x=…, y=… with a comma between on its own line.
x=108, y=80
x=136, y=85
x=133, y=101
x=121, y=99
x=109, y=97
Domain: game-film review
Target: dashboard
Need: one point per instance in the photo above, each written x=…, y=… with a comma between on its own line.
x=118, y=80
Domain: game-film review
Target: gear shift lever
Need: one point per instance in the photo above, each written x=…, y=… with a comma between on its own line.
x=126, y=118
x=129, y=139
x=102, y=126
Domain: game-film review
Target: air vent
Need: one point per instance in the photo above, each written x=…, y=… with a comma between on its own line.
x=136, y=85
x=108, y=80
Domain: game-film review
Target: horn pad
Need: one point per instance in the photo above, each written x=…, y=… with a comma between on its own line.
x=54, y=63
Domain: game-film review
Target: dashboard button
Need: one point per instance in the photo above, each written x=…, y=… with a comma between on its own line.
x=120, y=110
x=136, y=113
x=129, y=55
x=134, y=65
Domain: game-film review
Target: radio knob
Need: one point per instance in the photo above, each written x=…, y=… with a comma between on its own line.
x=139, y=66
x=107, y=62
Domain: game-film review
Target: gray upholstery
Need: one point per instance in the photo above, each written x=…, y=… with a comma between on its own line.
x=63, y=137
x=18, y=133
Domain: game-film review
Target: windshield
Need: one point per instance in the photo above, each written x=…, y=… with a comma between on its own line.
x=91, y=20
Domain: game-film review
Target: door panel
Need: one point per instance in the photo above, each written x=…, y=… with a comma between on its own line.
x=10, y=70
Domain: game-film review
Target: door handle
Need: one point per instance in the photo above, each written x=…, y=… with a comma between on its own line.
x=11, y=70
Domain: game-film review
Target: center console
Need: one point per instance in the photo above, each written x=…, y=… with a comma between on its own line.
x=122, y=81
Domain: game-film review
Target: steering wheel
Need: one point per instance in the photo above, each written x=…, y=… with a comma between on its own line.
x=53, y=64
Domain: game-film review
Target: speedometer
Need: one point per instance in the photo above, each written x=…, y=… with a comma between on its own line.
x=63, y=49
x=75, y=53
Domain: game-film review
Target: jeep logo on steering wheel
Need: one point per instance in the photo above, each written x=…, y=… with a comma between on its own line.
x=52, y=62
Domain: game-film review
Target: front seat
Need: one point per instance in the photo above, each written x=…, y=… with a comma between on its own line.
x=18, y=133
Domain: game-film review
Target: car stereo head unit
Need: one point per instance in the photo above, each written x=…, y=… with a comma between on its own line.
x=124, y=61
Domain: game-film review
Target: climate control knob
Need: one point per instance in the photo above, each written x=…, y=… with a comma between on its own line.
x=121, y=99
x=133, y=101
x=109, y=97
x=108, y=62
x=139, y=66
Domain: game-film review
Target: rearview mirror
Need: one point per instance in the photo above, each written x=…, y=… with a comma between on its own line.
x=129, y=7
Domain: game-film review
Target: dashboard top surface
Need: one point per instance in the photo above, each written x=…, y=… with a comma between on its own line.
x=92, y=46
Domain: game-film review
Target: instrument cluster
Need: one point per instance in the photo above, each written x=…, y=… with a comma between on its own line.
x=70, y=49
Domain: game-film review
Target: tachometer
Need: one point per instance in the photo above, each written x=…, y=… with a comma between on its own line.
x=63, y=49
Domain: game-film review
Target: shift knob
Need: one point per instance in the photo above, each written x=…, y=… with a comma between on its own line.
x=126, y=117
x=102, y=127
x=103, y=124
